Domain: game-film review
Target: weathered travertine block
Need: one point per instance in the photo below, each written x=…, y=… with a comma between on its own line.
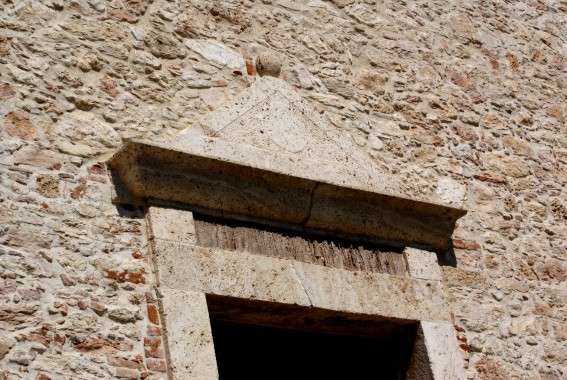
x=422, y=264
x=171, y=224
x=189, y=337
x=193, y=268
x=248, y=276
x=373, y=293
x=443, y=351
x=268, y=155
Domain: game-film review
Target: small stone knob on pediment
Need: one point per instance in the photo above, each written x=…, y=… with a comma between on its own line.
x=269, y=63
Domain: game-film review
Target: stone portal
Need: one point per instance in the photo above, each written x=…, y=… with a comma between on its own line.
x=262, y=218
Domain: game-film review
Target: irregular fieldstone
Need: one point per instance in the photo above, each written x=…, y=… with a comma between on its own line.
x=90, y=61
x=512, y=166
x=163, y=45
x=5, y=346
x=22, y=357
x=217, y=52
x=18, y=124
x=17, y=314
x=6, y=91
x=87, y=129
x=551, y=269
x=122, y=15
x=48, y=185
x=123, y=315
x=463, y=27
x=35, y=156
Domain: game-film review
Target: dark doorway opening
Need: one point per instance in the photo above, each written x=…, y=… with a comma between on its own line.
x=305, y=343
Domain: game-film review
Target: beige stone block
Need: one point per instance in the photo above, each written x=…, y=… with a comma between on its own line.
x=373, y=293
x=191, y=353
x=422, y=264
x=443, y=351
x=269, y=155
x=241, y=275
x=171, y=224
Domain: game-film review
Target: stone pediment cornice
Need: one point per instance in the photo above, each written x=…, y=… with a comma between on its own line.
x=267, y=156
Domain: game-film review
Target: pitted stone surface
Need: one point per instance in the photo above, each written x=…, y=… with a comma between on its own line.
x=269, y=63
x=270, y=116
x=242, y=275
x=171, y=224
x=471, y=91
x=423, y=264
x=441, y=344
x=189, y=335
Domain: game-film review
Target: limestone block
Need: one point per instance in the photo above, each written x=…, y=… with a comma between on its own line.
x=422, y=264
x=171, y=224
x=373, y=293
x=217, y=52
x=241, y=275
x=443, y=351
x=451, y=192
x=189, y=338
x=268, y=154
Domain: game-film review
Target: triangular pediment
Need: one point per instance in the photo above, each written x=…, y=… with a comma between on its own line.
x=269, y=119
x=267, y=156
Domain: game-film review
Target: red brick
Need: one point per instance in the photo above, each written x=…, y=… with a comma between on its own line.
x=157, y=365
x=153, y=314
x=154, y=331
x=152, y=341
x=120, y=362
x=41, y=335
x=43, y=376
x=542, y=309
x=463, y=81
x=126, y=276
x=91, y=343
x=551, y=269
x=250, y=67
x=153, y=352
x=460, y=244
x=127, y=373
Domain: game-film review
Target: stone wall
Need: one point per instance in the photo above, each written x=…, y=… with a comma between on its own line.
x=464, y=100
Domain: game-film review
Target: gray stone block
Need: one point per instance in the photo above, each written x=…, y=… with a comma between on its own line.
x=422, y=264
x=189, y=338
x=171, y=224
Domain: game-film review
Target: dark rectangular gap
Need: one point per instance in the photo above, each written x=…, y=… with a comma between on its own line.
x=264, y=340
x=327, y=251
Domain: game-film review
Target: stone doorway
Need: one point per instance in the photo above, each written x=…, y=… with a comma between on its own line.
x=259, y=340
x=265, y=203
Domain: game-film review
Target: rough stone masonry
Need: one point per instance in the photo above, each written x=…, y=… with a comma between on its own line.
x=464, y=101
